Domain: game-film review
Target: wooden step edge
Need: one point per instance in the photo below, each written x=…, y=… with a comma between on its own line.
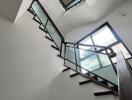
x=66, y=69
x=104, y=82
x=60, y=56
x=48, y=38
x=103, y=93
x=55, y=47
x=43, y=30
x=36, y=20
x=85, y=82
x=75, y=74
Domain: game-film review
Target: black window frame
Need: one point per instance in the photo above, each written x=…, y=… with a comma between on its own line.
x=119, y=40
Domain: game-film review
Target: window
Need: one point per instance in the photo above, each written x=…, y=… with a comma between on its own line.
x=120, y=47
x=103, y=36
x=86, y=41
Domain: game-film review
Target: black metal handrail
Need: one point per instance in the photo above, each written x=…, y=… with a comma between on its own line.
x=87, y=49
x=124, y=72
x=103, y=47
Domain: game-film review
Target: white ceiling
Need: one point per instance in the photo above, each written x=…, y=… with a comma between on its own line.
x=9, y=8
x=87, y=12
x=13, y=9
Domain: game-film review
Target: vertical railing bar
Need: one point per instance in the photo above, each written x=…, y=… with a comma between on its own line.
x=64, y=53
x=97, y=55
x=31, y=4
x=46, y=24
x=61, y=48
x=79, y=56
x=75, y=57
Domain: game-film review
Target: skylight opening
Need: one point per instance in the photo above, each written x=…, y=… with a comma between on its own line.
x=104, y=37
x=67, y=4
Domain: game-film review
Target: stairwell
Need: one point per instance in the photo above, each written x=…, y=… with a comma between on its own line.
x=31, y=67
x=89, y=76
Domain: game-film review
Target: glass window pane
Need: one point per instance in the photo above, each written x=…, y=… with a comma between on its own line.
x=70, y=54
x=104, y=60
x=85, y=53
x=90, y=63
x=120, y=47
x=104, y=37
x=107, y=73
x=86, y=41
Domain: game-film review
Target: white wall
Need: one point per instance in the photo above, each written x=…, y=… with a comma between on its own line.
x=27, y=62
x=30, y=70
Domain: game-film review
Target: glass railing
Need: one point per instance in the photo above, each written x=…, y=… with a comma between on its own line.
x=67, y=4
x=46, y=23
x=53, y=33
x=80, y=57
x=39, y=12
x=91, y=59
x=70, y=56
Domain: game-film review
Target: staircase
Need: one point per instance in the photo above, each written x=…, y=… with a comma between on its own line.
x=106, y=76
